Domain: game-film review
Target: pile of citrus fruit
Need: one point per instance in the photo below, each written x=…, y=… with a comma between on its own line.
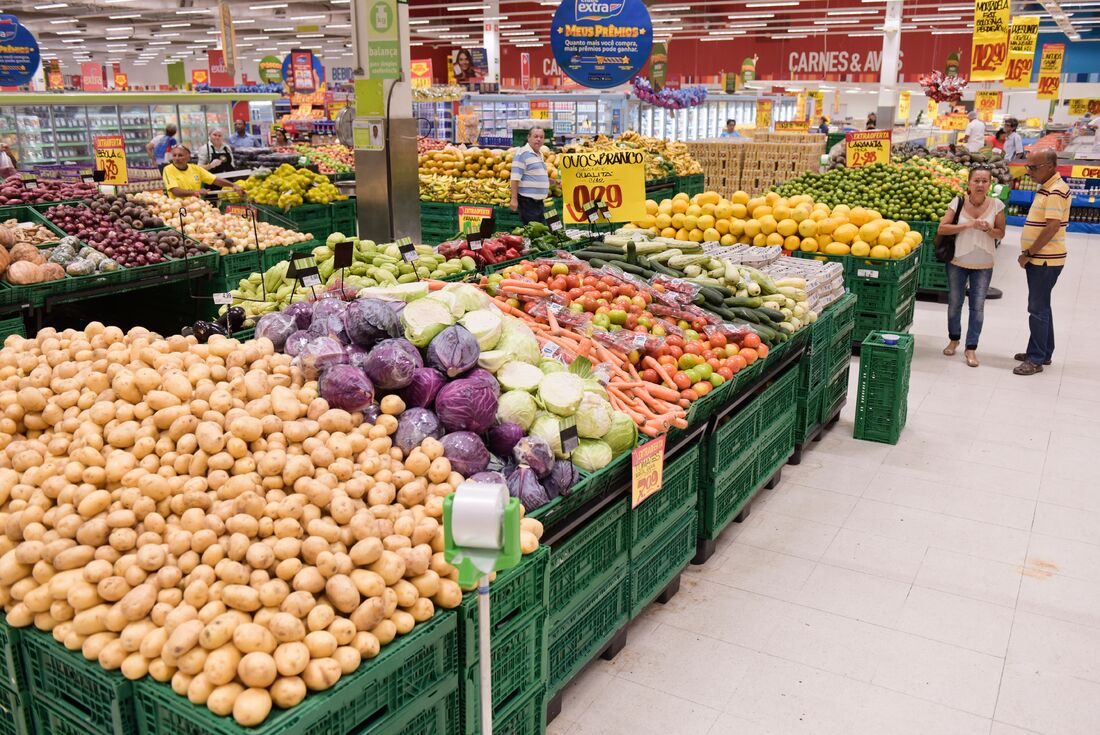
x=795, y=223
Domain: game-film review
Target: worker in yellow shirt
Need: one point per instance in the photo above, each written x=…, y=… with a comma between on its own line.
x=185, y=179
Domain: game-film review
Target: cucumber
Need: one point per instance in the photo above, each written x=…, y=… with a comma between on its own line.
x=773, y=314
x=750, y=302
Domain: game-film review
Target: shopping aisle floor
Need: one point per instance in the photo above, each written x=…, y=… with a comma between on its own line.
x=949, y=584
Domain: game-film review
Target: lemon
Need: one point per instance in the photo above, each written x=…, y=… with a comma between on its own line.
x=665, y=207
x=868, y=232
x=651, y=206
x=845, y=233
x=738, y=210
x=786, y=227
x=662, y=220
x=887, y=238
x=739, y=197
x=691, y=221
x=771, y=197
x=723, y=211
x=792, y=243
x=681, y=197
x=677, y=220
x=696, y=235
x=837, y=248
x=708, y=208
x=752, y=227
x=823, y=240
x=728, y=240
x=761, y=210
x=723, y=226
x=694, y=209
x=682, y=234
x=827, y=225
x=768, y=224
x=898, y=252
x=859, y=217
x=808, y=245
x=648, y=221
x=760, y=240
x=880, y=251
x=781, y=211
x=860, y=249
x=705, y=221
x=737, y=227
x=711, y=235
x=807, y=228
x=679, y=206
x=668, y=232
x=709, y=197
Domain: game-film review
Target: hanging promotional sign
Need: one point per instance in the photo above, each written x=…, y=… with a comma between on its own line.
x=658, y=66
x=525, y=70
x=19, y=56
x=176, y=75
x=903, y=106
x=986, y=101
x=420, y=70
x=199, y=76
x=110, y=158
x=951, y=67
x=91, y=77
x=792, y=126
x=1082, y=106
x=763, y=114
x=469, y=65
x=748, y=69
x=229, y=40
x=952, y=121
x=271, y=70
x=1050, y=71
x=933, y=110
x=819, y=103
x=1022, y=36
x=867, y=147
x=601, y=44
x=383, y=49
x=302, y=78
x=729, y=83
x=647, y=466
x=219, y=71
x=614, y=177
x=122, y=81
x=800, y=106
x=989, y=52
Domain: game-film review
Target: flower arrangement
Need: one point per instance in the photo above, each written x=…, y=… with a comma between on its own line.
x=671, y=99
x=942, y=88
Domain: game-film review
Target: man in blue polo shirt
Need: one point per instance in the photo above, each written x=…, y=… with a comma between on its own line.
x=530, y=179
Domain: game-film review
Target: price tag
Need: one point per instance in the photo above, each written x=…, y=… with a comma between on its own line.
x=551, y=351
x=343, y=254
x=602, y=373
x=30, y=181
x=553, y=221
x=311, y=280
x=473, y=239
x=605, y=213
x=555, y=307
x=87, y=176
x=241, y=210
x=647, y=465
x=639, y=341
x=867, y=273
x=592, y=211
x=569, y=438
x=223, y=299
x=488, y=227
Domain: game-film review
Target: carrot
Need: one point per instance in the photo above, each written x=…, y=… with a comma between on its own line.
x=659, y=391
x=554, y=328
x=649, y=362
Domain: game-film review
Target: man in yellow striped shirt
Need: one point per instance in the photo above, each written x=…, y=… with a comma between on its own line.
x=1042, y=256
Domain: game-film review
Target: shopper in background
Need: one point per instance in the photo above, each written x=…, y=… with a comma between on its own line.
x=731, y=130
x=872, y=121
x=998, y=141
x=279, y=138
x=981, y=222
x=184, y=179
x=823, y=128
x=8, y=161
x=1043, y=243
x=241, y=138
x=216, y=156
x=975, y=133
x=160, y=148
x=530, y=180
x=1014, y=144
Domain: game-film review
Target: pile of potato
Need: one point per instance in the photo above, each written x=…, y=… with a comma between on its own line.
x=197, y=513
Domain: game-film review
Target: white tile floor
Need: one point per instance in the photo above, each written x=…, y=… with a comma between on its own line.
x=949, y=584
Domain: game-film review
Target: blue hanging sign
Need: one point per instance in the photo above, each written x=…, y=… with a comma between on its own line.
x=601, y=43
x=19, y=57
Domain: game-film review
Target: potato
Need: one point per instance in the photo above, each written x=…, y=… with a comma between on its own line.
x=321, y=643
x=291, y=658
x=249, y=637
x=449, y=595
x=252, y=707
x=183, y=639
x=342, y=593
x=348, y=658
x=257, y=669
x=366, y=644
x=198, y=691
x=321, y=673
x=286, y=627
x=135, y=666
x=221, y=664
x=219, y=631
x=288, y=691
x=222, y=698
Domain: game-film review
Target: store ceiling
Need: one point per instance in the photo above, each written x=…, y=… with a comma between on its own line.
x=154, y=32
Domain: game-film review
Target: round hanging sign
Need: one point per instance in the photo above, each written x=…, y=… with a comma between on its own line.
x=601, y=44
x=19, y=57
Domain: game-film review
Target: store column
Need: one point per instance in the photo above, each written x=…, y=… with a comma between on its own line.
x=491, y=40
x=384, y=129
x=888, y=76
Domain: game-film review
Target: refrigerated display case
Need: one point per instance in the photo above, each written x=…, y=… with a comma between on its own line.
x=435, y=120
x=51, y=128
x=570, y=114
x=706, y=120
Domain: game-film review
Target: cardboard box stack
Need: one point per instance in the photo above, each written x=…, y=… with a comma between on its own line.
x=757, y=163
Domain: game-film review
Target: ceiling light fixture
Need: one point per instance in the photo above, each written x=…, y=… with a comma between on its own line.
x=460, y=8
x=739, y=16
x=62, y=21
x=243, y=21
x=173, y=25
x=117, y=38
x=419, y=22
x=124, y=17
x=51, y=6
x=69, y=33
x=193, y=11
x=268, y=6
x=782, y=4
x=72, y=40
x=308, y=17
x=934, y=18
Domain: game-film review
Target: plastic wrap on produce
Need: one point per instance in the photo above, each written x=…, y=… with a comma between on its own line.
x=744, y=254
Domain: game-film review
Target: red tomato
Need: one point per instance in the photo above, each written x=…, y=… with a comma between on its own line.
x=689, y=394
x=750, y=355
x=725, y=371
x=702, y=387
x=573, y=280
x=675, y=351
x=762, y=350
x=714, y=363
x=681, y=380
x=751, y=340
x=738, y=363
x=649, y=374
x=718, y=340
x=667, y=360
x=708, y=355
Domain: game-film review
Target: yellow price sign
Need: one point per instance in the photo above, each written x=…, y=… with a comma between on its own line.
x=1081, y=106
x=953, y=121
x=987, y=101
x=1050, y=71
x=1022, y=35
x=867, y=147
x=1085, y=172
x=763, y=114
x=932, y=110
x=903, y=105
x=614, y=177
x=470, y=217
x=647, y=470
x=989, y=53
x=110, y=157
x=792, y=126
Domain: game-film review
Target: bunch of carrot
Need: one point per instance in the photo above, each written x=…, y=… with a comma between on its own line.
x=654, y=408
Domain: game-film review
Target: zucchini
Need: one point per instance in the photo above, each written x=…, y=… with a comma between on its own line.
x=773, y=314
x=751, y=302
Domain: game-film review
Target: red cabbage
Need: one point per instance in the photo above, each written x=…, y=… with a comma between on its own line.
x=369, y=320
x=392, y=362
x=523, y=484
x=423, y=387
x=276, y=327
x=466, y=405
x=535, y=453
x=318, y=355
x=371, y=413
x=503, y=438
x=486, y=377
x=297, y=342
x=328, y=319
x=563, y=476
x=453, y=351
x=346, y=387
x=414, y=426
x=466, y=452
x=488, y=476
x=301, y=312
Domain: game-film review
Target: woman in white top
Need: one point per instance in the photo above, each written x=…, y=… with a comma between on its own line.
x=981, y=224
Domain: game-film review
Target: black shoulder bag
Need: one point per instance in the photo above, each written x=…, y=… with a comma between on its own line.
x=945, y=244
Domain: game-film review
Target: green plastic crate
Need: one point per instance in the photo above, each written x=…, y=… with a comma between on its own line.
x=679, y=491
x=933, y=275
x=102, y=700
x=16, y=714
x=885, y=296
x=12, y=673
x=242, y=264
x=525, y=716
x=666, y=557
x=883, y=392
x=841, y=312
x=730, y=441
x=808, y=412
x=314, y=219
x=581, y=564
x=14, y=325
x=775, y=446
x=271, y=256
x=593, y=485
x=881, y=270
x=393, y=693
x=519, y=668
x=836, y=392
x=898, y=321
x=731, y=491
x=779, y=397
x=516, y=594
x=575, y=641
x=927, y=230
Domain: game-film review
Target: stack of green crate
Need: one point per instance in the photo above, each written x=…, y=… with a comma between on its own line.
x=932, y=274
x=16, y=711
x=812, y=373
x=314, y=219
x=692, y=184
x=883, y=387
x=886, y=291
x=12, y=325
x=663, y=529
x=438, y=222
x=842, y=314
x=518, y=637
x=343, y=218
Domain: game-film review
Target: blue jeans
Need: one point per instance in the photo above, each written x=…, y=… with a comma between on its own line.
x=1040, y=284
x=979, y=285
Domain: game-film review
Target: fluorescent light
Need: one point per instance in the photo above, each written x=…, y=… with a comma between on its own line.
x=160, y=43
x=173, y=25
x=339, y=25
x=950, y=33
x=934, y=18
x=124, y=17
x=72, y=40
x=308, y=17
x=782, y=4
x=286, y=43
x=460, y=8
x=486, y=18
x=739, y=16
x=669, y=8
x=708, y=38
x=193, y=11
x=268, y=6
x=168, y=35
x=725, y=32
x=744, y=25
x=117, y=38
x=667, y=20
x=266, y=48
x=62, y=21
x=853, y=12
x=850, y=22
x=444, y=29
x=51, y=6
x=68, y=33
x=530, y=45
x=784, y=38
x=281, y=28
x=865, y=35
x=420, y=22
x=312, y=35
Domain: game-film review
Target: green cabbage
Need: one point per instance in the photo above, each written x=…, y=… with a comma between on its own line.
x=548, y=428
x=485, y=325
x=549, y=365
x=519, y=376
x=423, y=319
x=450, y=301
x=517, y=406
x=561, y=393
x=517, y=339
x=469, y=297
x=594, y=417
x=493, y=360
x=591, y=455
x=623, y=434
x=591, y=385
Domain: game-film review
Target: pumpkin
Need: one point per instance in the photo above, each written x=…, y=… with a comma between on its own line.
x=7, y=237
x=22, y=272
x=27, y=252
x=51, y=272
x=5, y=260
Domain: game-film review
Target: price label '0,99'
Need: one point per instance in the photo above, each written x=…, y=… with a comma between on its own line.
x=616, y=178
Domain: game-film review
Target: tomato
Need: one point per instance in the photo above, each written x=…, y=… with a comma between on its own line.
x=693, y=348
x=690, y=394
x=738, y=363
x=675, y=350
x=676, y=340
x=702, y=387
x=681, y=380
x=725, y=371
x=650, y=375
x=714, y=363
x=709, y=355
x=762, y=350
x=750, y=355
x=751, y=340
x=716, y=380
x=557, y=283
x=717, y=340
x=543, y=272
x=667, y=360
x=573, y=280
